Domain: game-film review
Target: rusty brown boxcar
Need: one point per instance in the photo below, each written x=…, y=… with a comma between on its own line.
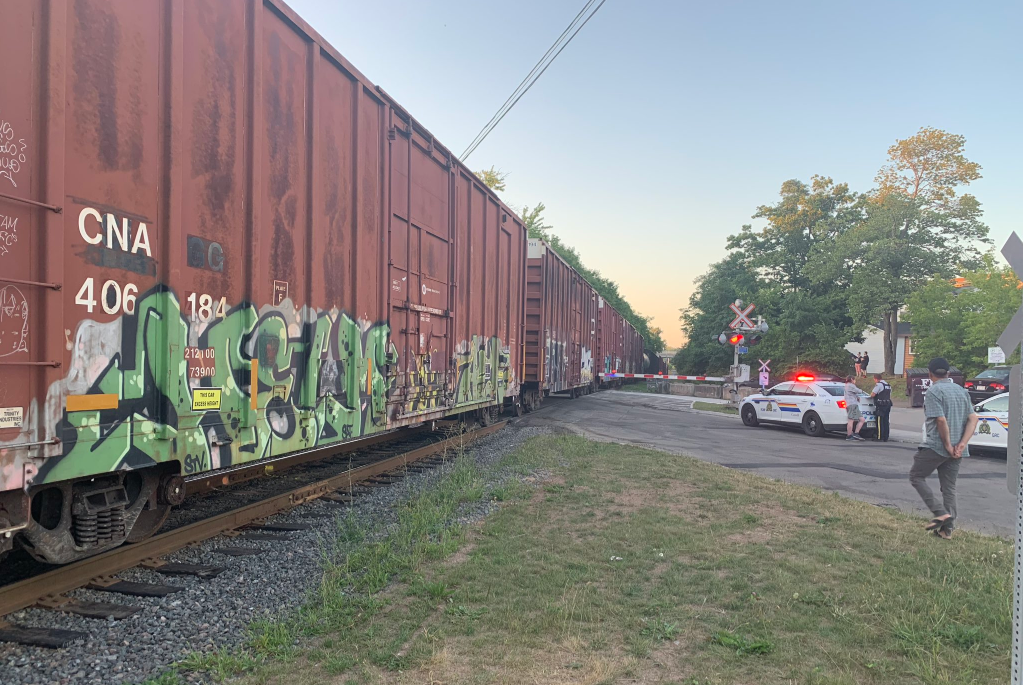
x=619, y=344
x=560, y=327
x=571, y=334
x=219, y=242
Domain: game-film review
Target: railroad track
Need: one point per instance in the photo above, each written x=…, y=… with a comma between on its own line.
x=49, y=589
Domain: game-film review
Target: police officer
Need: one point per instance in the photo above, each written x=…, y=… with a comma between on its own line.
x=882, y=395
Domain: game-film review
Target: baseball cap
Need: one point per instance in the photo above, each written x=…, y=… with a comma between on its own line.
x=938, y=364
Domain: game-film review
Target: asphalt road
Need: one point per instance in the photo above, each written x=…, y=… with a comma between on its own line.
x=869, y=471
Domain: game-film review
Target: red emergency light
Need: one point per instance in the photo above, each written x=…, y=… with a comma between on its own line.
x=841, y=404
x=805, y=378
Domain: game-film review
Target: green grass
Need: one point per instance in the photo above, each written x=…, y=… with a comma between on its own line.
x=712, y=406
x=635, y=566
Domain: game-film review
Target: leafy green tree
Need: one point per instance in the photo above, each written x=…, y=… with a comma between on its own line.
x=493, y=178
x=917, y=226
x=809, y=319
x=534, y=221
x=704, y=319
x=961, y=323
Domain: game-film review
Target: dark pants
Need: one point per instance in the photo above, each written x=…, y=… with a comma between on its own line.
x=884, y=425
x=925, y=462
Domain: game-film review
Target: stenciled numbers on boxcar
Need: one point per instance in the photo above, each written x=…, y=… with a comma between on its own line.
x=113, y=297
x=204, y=308
x=118, y=234
x=202, y=362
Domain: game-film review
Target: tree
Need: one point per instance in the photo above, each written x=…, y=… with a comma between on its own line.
x=704, y=318
x=534, y=221
x=961, y=323
x=916, y=227
x=809, y=319
x=493, y=178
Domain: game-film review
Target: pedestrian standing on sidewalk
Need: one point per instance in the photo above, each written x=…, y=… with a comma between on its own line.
x=858, y=364
x=951, y=420
x=865, y=364
x=852, y=410
x=882, y=394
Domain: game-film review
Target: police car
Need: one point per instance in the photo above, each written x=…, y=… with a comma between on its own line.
x=992, y=431
x=814, y=405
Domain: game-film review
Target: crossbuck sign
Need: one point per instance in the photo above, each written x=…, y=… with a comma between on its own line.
x=741, y=319
x=1010, y=341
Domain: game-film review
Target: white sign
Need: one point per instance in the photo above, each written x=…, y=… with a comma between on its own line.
x=995, y=355
x=11, y=417
x=741, y=319
x=765, y=379
x=764, y=366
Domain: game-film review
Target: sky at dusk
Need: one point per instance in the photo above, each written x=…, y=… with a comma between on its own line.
x=662, y=127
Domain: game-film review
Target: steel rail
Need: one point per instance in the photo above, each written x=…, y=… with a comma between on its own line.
x=28, y=592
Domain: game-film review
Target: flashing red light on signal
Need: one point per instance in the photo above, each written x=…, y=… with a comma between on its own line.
x=737, y=338
x=805, y=378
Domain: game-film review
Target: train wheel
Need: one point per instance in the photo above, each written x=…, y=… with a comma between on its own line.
x=148, y=522
x=169, y=492
x=488, y=416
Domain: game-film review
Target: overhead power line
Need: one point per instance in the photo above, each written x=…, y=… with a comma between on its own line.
x=534, y=74
x=531, y=73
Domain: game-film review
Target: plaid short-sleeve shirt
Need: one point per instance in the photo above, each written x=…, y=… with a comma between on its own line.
x=945, y=398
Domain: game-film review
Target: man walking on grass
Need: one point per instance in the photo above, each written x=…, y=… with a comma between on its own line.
x=950, y=424
x=852, y=410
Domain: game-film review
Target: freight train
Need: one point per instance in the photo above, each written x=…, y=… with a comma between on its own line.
x=221, y=243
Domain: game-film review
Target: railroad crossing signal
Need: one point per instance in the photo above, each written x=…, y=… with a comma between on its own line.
x=1010, y=341
x=764, y=366
x=765, y=373
x=741, y=319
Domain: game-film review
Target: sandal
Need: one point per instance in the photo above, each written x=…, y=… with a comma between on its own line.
x=938, y=523
x=943, y=534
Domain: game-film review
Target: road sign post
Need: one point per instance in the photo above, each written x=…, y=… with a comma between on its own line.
x=765, y=373
x=1010, y=342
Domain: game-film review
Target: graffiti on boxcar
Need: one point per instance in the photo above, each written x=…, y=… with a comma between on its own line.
x=586, y=366
x=13, y=321
x=611, y=364
x=555, y=365
x=12, y=152
x=483, y=371
x=183, y=385
x=8, y=233
x=319, y=379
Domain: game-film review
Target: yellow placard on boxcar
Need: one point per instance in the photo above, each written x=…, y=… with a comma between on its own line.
x=205, y=399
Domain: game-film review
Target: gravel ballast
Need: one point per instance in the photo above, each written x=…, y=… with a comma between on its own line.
x=215, y=613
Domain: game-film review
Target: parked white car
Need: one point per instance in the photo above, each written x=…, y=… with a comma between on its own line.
x=992, y=431
x=816, y=406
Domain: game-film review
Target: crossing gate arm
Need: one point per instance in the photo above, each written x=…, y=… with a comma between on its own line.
x=664, y=377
